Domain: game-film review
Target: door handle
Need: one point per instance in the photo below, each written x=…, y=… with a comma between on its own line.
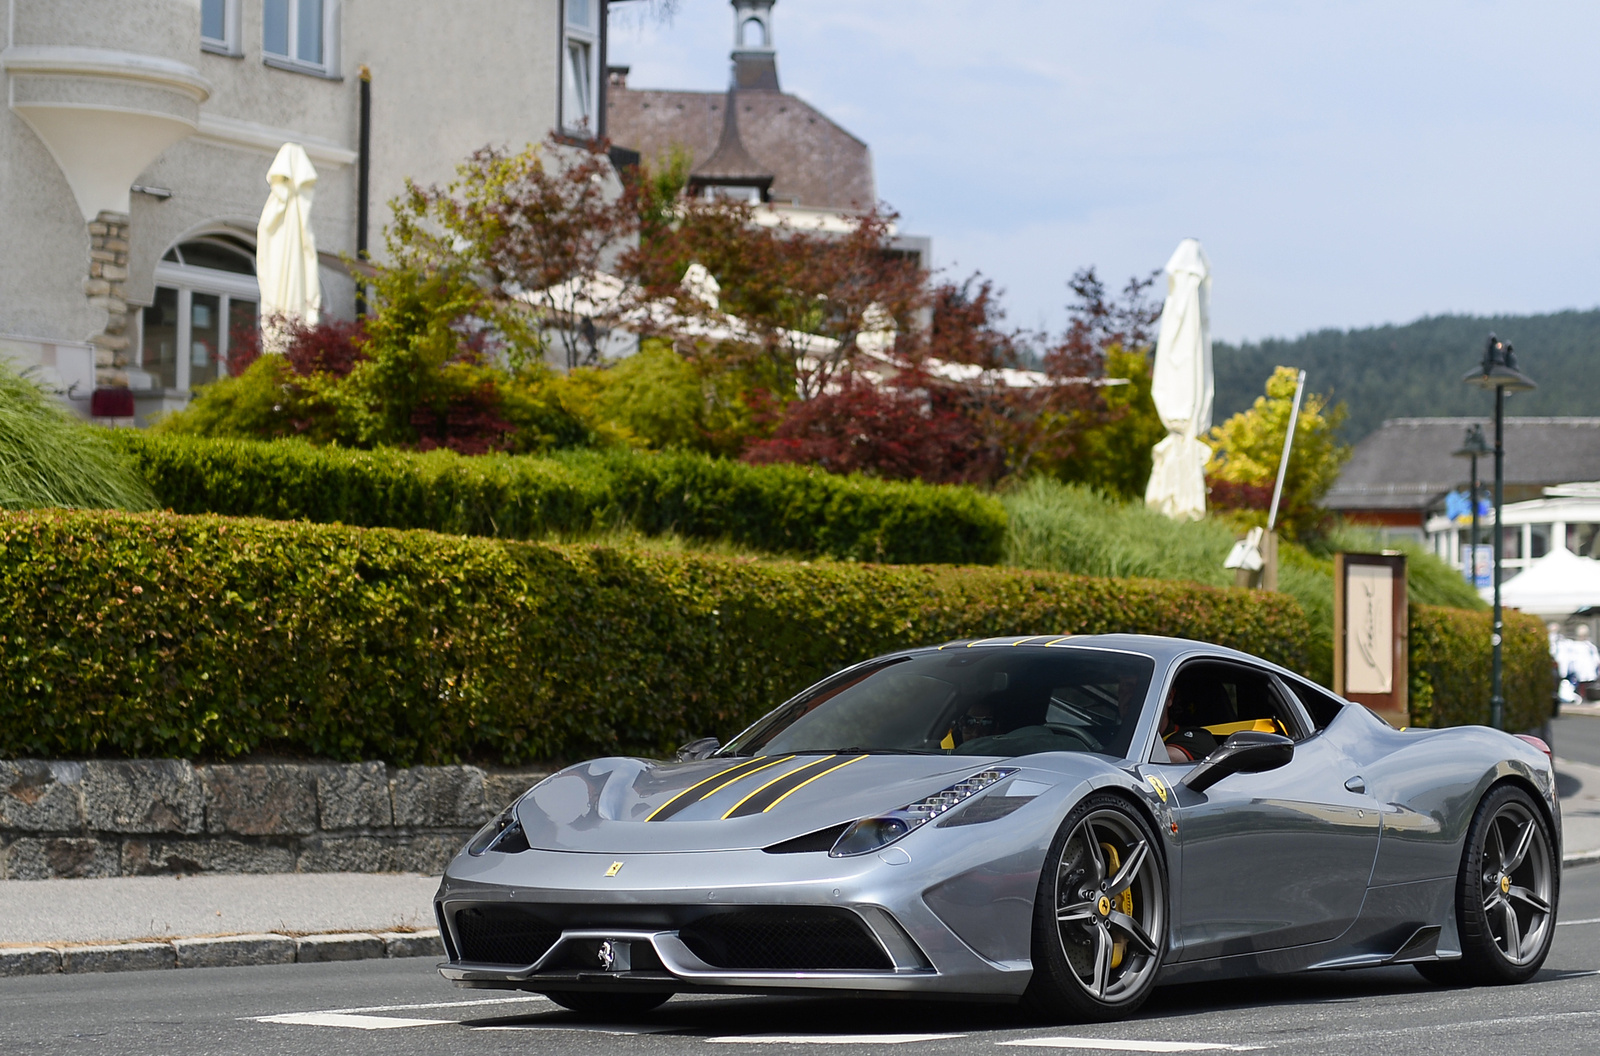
x=1356, y=785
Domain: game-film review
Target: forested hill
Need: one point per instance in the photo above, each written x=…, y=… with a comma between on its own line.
x=1415, y=370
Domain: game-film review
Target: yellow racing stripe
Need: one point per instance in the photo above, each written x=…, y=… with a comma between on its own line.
x=742, y=768
x=808, y=780
x=764, y=787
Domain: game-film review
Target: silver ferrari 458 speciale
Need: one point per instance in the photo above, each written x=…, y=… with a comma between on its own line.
x=1068, y=821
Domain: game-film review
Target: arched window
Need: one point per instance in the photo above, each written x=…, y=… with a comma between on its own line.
x=753, y=34
x=205, y=307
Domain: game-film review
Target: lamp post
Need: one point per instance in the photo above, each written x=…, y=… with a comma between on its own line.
x=1473, y=447
x=1498, y=372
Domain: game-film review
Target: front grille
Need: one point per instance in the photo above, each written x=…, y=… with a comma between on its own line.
x=785, y=940
x=504, y=935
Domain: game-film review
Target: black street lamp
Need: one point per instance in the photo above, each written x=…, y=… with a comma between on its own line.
x=1498, y=372
x=1474, y=447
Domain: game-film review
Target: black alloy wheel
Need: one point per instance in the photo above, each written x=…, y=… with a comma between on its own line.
x=1100, y=916
x=1506, y=894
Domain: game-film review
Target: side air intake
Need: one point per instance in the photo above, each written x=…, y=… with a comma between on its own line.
x=508, y=935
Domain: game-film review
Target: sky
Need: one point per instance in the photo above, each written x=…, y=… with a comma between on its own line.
x=1344, y=164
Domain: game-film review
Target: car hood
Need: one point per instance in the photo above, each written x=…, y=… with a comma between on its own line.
x=640, y=805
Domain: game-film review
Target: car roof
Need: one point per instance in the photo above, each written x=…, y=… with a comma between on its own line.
x=1158, y=647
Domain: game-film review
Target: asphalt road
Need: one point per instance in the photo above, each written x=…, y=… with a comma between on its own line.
x=1577, y=737
x=403, y=1007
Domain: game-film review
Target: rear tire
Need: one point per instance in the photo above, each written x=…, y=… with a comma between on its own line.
x=1100, y=916
x=592, y=1003
x=1506, y=894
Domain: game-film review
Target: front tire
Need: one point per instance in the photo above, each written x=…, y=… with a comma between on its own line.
x=1100, y=915
x=597, y=1003
x=1506, y=894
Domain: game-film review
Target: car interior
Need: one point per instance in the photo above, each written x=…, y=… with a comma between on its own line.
x=1225, y=699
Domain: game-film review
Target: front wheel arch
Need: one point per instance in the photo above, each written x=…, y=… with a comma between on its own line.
x=1102, y=911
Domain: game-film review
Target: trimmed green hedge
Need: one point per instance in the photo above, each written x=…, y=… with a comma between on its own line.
x=208, y=637
x=1450, y=666
x=783, y=509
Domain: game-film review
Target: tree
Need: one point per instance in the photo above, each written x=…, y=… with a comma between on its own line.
x=883, y=430
x=1248, y=446
x=786, y=287
x=521, y=226
x=1114, y=456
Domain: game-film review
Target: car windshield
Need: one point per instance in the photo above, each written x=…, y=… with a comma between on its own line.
x=983, y=701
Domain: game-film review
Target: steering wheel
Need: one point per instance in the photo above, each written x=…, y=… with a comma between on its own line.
x=1089, y=744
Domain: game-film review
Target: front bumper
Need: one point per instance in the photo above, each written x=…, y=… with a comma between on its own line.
x=642, y=908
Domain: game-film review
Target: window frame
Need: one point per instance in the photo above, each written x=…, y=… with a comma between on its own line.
x=187, y=280
x=228, y=43
x=329, y=66
x=587, y=37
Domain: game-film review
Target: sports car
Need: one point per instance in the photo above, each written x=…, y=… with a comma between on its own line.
x=1068, y=821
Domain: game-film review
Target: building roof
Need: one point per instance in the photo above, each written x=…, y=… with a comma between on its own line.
x=1407, y=464
x=813, y=161
x=731, y=161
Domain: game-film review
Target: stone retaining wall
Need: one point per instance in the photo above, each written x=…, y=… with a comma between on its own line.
x=143, y=817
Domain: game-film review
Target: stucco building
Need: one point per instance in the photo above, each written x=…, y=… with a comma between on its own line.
x=137, y=135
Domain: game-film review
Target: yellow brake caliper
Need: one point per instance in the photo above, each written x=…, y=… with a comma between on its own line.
x=1124, y=901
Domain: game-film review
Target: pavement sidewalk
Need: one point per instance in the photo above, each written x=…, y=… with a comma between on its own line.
x=140, y=922
x=1579, y=786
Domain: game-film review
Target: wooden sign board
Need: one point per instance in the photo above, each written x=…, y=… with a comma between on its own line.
x=1370, y=630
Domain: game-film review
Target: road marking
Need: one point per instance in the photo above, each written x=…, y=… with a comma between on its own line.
x=624, y=1032
x=1130, y=1045
x=1585, y=920
x=829, y=1039
x=340, y=1019
x=431, y=1004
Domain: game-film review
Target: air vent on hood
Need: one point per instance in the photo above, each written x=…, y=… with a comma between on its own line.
x=821, y=840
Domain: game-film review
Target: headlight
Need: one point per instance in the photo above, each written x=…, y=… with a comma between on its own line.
x=870, y=834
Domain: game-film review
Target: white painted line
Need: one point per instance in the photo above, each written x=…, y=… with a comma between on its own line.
x=1585, y=920
x=1130, y=1045
x=547, y=1028
x=829, y=1039
x=338, y=1019
x=444, y=1004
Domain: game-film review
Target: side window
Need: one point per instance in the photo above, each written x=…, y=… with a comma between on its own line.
x=1319, y=703
x=1225, y=699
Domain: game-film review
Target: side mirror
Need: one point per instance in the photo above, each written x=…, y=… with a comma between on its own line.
x=699, y=749
x=1248, y=752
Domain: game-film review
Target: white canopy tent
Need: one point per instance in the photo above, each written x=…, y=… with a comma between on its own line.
x=1558, y=584
x=1183, y=387
x=286, y=251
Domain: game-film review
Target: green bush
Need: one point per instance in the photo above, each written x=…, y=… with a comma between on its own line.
x=1450, y=666
x=209, y=637
x=783, y=509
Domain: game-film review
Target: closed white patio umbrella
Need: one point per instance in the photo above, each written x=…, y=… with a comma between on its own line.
x=1183, y=387
x=286, y=251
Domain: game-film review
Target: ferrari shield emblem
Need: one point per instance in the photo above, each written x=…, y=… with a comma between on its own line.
x=616, y=867
x=1159, y=785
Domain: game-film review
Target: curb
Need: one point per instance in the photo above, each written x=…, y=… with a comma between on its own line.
x=1580, y=858
x=223, y=951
